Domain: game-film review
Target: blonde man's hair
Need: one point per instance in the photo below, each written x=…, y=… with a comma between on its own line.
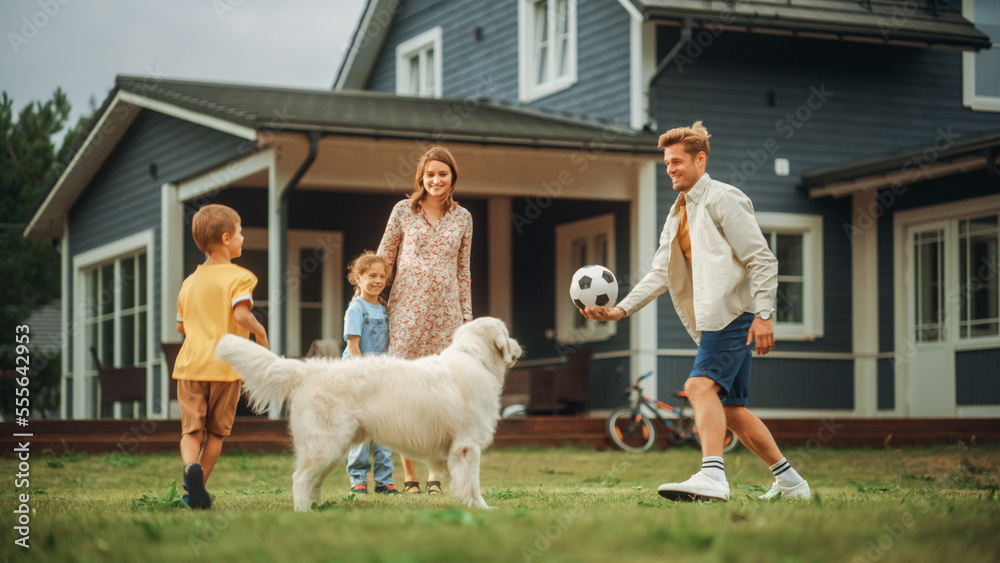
x=210, y=223
x=439, y=154
x=694, y=138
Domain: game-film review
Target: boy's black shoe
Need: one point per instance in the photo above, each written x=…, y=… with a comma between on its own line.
x=194, y=483
x=359, y=489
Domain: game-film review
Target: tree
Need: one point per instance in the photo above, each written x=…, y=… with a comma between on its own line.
x=29, y=267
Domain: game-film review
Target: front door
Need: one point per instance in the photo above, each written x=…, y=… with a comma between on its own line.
x=930, y=389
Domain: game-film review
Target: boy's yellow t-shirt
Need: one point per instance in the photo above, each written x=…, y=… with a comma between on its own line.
x=205, y=306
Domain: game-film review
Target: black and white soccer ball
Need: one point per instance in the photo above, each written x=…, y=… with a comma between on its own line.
x=593, y=286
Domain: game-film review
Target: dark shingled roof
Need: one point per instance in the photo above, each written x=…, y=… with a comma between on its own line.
x=926, y=22
x=386, y=115
x=969, y=145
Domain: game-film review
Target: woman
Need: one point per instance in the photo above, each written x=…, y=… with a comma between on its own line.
x=428, y=239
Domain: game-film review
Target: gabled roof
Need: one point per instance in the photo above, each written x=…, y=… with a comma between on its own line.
x=373, y=27
x=247, y=111
x=929, y=23
x=949, y=154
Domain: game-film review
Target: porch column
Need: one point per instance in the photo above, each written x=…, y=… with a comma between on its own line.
x=864, y=302
x=500, y=260
x=275, y=252
x=643, y=324
x=171, y=276
x=65, y=336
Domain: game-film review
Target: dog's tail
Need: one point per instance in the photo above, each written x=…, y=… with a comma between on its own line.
x=266, y=376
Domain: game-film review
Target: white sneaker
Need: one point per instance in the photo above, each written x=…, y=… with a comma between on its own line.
x=798, y=492
x=698, y=487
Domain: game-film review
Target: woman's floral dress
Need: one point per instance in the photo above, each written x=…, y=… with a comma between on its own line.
x=431, y=293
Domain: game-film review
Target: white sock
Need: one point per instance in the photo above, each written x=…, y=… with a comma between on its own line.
x=785, y=474
x=714, y=467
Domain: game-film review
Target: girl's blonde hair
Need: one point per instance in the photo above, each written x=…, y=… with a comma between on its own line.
x=439, y=154
x=360, y=266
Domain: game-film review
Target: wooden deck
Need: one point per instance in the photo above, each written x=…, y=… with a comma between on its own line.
x=258, y=434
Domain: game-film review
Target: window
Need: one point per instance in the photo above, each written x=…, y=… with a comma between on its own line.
x=547, y=53
x=948, y=292
x=981, y=71
x=418, y=65
x=979, y=292
x=954, y=264
x=113, y=311
x=578, y=244
x=797, y=243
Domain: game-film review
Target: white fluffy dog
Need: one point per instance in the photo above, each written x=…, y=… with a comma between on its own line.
x=442, y=409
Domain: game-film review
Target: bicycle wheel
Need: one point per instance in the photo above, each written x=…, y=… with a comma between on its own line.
x=632, y=432
x=729, y=441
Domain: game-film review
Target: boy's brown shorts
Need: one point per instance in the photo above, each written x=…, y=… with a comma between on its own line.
x=208, y=405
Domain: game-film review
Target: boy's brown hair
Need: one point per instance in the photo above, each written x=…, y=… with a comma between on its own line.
x=439, y=154
x=694, y=138
x=210, y=223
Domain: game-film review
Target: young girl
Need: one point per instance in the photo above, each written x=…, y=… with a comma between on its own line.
x=366, y=330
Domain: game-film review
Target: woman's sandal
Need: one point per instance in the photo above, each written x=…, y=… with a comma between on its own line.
x=411, y=487
x=433, y=487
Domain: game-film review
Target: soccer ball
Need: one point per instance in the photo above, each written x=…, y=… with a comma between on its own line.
x=593, y=286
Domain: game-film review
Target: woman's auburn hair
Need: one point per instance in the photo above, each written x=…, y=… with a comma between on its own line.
x=439, y=154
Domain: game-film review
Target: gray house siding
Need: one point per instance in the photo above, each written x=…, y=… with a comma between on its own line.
x=124, y=196
x=977, y=377
x=488, y=67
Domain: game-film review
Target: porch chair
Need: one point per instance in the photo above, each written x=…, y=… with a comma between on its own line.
x=552, y=389
x=118, y=385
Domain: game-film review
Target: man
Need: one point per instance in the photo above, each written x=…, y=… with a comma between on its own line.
x=722, y=278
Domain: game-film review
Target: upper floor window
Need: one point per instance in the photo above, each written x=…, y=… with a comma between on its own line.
x=418, y=65
x=981, y=71
x=797, y=242
x=547, y=60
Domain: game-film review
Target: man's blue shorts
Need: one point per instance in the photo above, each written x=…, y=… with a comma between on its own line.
x=724, y=357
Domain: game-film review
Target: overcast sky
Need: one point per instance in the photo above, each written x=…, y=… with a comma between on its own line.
x=81, y=45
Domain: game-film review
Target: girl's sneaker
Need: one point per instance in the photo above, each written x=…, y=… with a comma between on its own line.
x=389, y=489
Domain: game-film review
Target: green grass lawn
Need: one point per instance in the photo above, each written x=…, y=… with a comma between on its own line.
x=925, y=504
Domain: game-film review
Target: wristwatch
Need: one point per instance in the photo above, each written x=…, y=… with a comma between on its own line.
x=764, y=315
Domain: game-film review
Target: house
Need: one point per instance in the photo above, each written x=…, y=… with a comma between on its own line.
x=866, y=133
x=839, y=119
x=314, y=175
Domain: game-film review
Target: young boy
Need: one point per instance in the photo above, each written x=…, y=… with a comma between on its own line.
x=214, y=301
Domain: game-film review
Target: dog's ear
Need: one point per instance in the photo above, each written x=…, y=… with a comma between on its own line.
x=502, y=341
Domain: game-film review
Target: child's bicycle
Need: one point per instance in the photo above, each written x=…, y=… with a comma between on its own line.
x=632, y=428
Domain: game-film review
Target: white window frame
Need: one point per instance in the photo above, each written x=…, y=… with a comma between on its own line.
x=418, y=47
x=970, y=98
x=566, y=311
x=527, y=65
x=134, y=245
x=811, y=229
x=948, y=215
